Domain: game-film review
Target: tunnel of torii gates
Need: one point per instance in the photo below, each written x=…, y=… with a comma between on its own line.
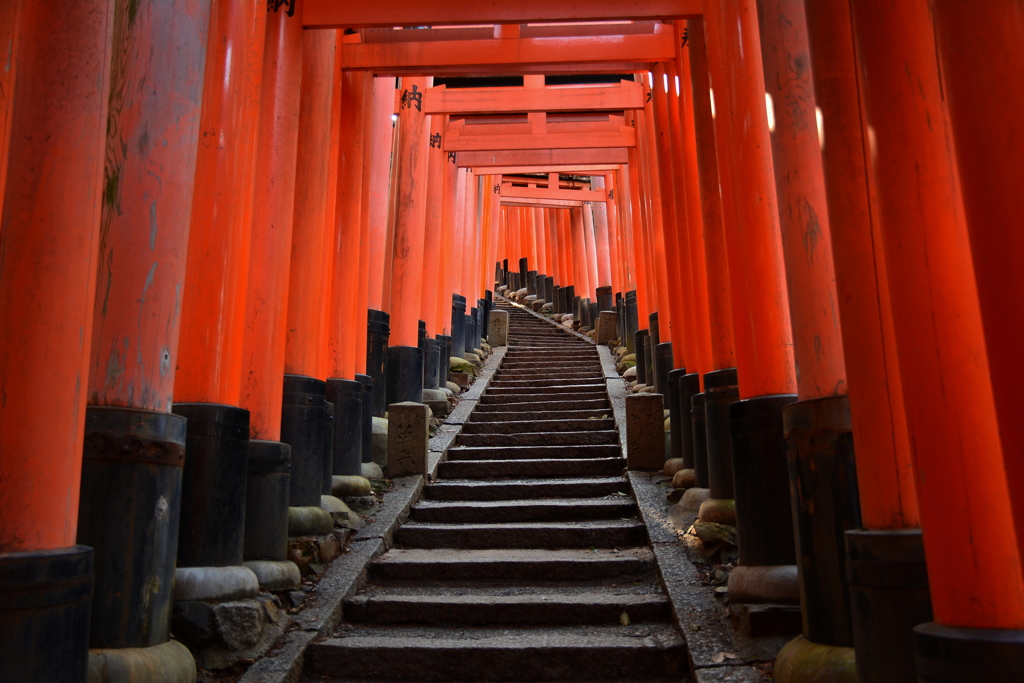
x=239, y=213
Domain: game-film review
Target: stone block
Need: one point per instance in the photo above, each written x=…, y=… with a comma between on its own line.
x=607, y=327
x=379, y=442
x=408, y=439
x=238, y=624
x=497, y=328
x=645, y=434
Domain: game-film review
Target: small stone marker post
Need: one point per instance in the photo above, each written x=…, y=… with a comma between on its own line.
x=645, y=432
x=607, y=327
x=497, y=330
x=408, y=438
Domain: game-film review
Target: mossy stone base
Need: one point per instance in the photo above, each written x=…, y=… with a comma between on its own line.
x=719, y=511
x=170, y=662
x=802, y=661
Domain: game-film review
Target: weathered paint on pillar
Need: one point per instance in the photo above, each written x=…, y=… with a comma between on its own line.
x=50, y=228
x=803, y=211
x=273, y=211
x=750, y=212
x=10, y=16
x=979, y=44
x=381, y=142
x=888, y=499
x=429, y=299
x=974, y=568
x=684, y=154
x=723, y=344
x=307, y=289
x=157, y=64
x=209, y=360
x=411, y=191
x=342, y=344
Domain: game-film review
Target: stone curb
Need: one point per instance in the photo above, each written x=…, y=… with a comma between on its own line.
x=346, y=575
x=717, y=654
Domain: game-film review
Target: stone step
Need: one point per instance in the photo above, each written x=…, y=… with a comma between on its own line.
x=511, y=565
x=517, y=489
x=545, y=392
x=611, y=533
x=530, y=510
x=551, y=402
x=541, y=654
x=582, y=438
x=506, y=416
x=512, y=452
x=524, y=427
x=485, y=608
x=534, y=467
x=565, y=379
x=553, y=373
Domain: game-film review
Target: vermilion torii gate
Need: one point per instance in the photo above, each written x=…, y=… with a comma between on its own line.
x=210, y=207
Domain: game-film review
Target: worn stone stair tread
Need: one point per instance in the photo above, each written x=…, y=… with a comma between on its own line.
x=601, y=412
x=539, y=439
x=532, y=406
x=607, y=450
x=540, y=653
x=480, y=608
x=470, y=489
x=586, y=389
x=511, y=565
x=545, y=398
x=539, y=426
x=533, y=509
x=535, y=467
x=604, y=533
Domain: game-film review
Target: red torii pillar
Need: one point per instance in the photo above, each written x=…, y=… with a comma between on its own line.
x=974, y=561
x=50, y=228
x=760, y=313
x=819, y=437
x=405, y=359
x=882, y=615
x=152, y=133
x=432, y=247
x=10, y=16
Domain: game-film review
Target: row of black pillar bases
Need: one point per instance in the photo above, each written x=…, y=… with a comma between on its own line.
x=790, y=468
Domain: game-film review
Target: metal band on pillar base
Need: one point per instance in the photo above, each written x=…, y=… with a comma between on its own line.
x=889, y=596
x=641, y=358
x=825, y=504
x=302, y=428
x=458, y=326
x=662, y=366
x=347, y=397
x=129, y=514
x=764, y=524
x=367, y=431
x=405, y=374
x=44, y=607
x=721, y=389
x=378, y=331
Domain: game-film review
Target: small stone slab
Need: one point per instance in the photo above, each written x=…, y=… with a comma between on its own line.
x=645, y=432
x=607, y=327
x=408, y=439
x=497, y=329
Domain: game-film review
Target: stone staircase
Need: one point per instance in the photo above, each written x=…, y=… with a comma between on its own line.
x=525, y=560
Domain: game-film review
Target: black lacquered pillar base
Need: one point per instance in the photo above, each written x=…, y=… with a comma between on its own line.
x=948, y=654
x=267, y=500
x=405, y=374
x=675, y=415
x=347, y=397
x=889, y=596
x=825, y=505
x=444, y=355
x=129, y=514
x=378, y=332
x=663, y=364
x=45, y=598
x=431, y=351
x=458, y=326
x=641, y=358
x=212, y=530
x=302, y=428
x=367, y=431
